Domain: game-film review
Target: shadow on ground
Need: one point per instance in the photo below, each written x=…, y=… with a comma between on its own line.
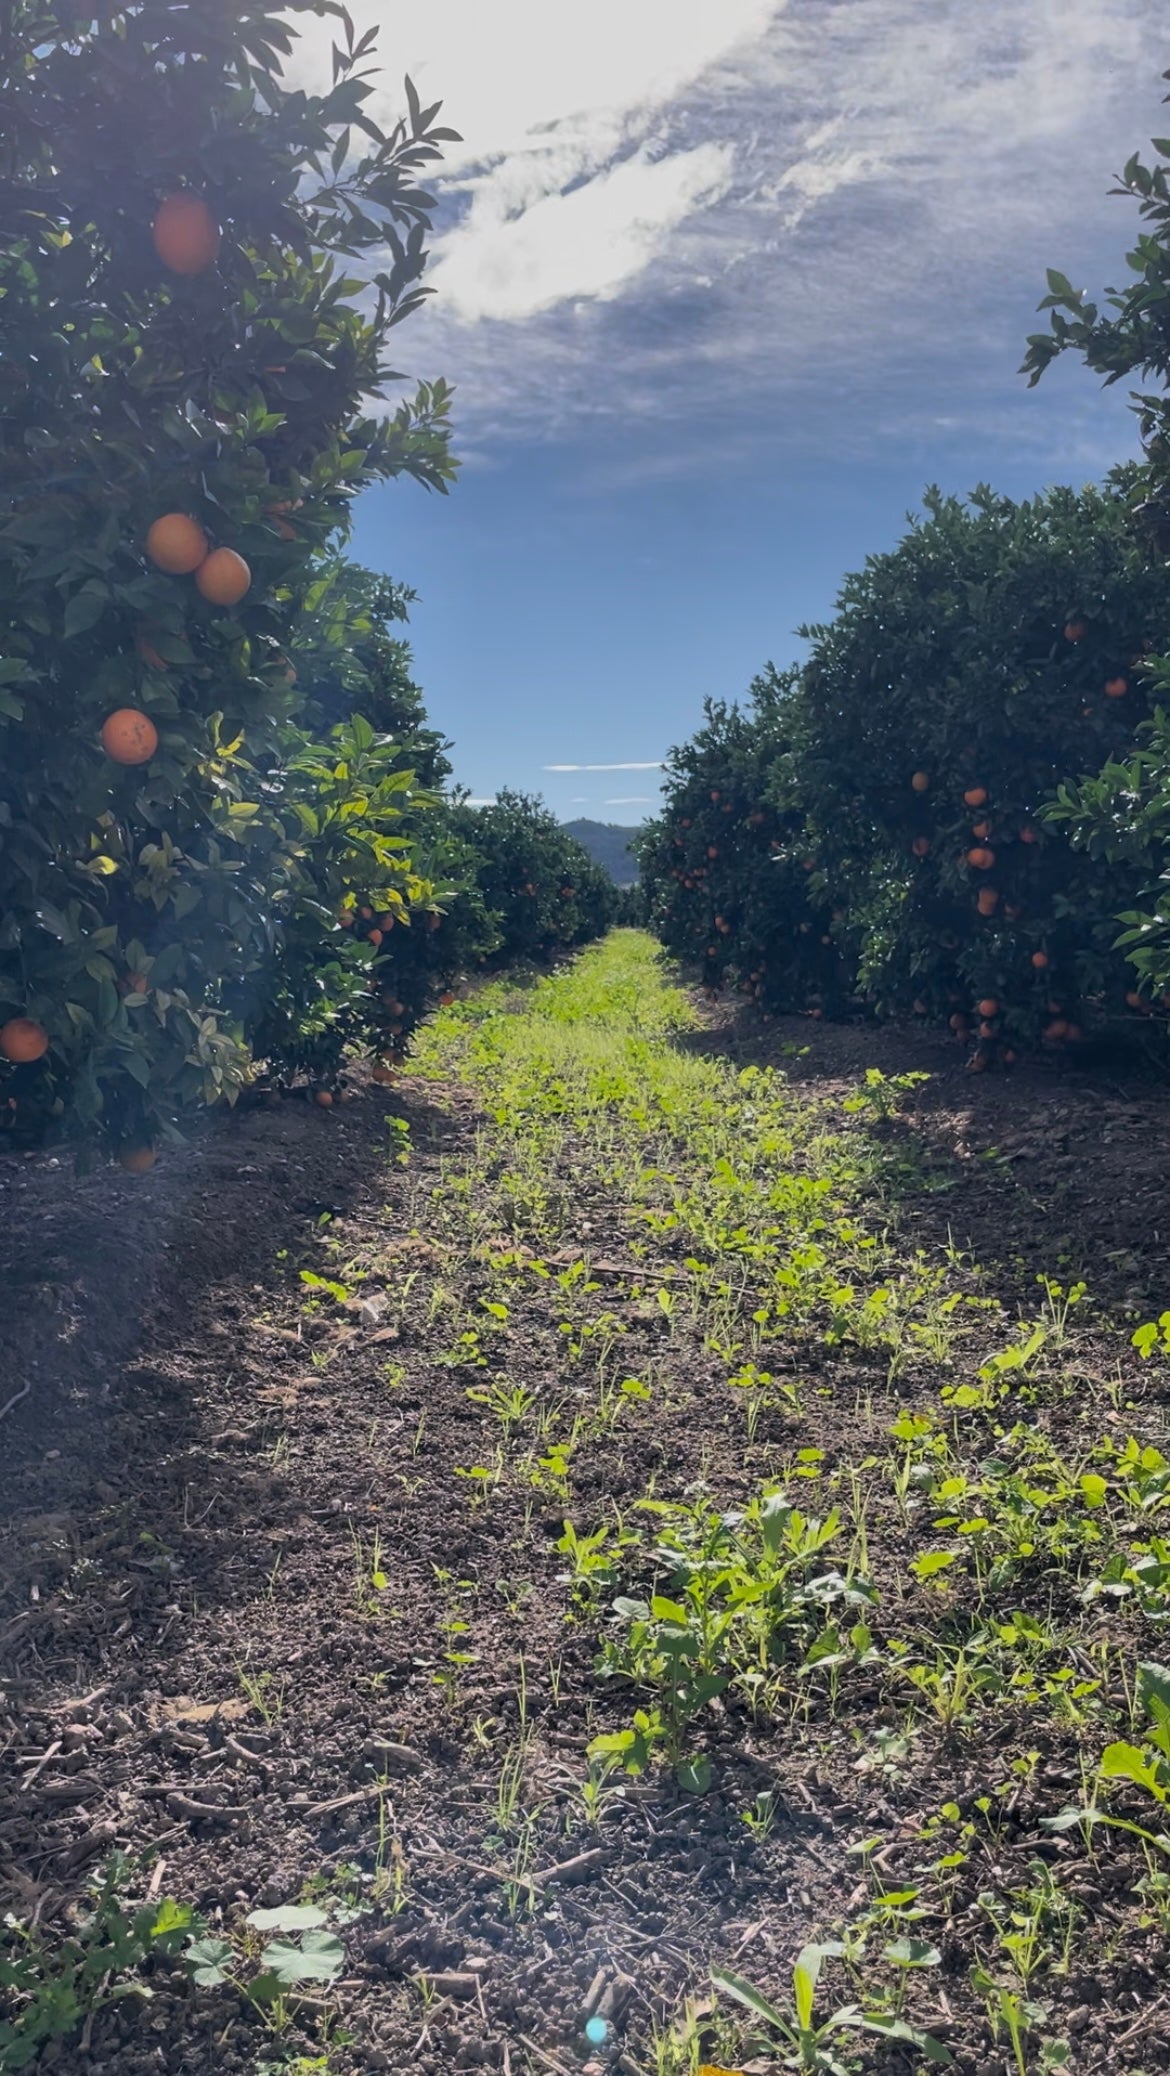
x=1056, y=1168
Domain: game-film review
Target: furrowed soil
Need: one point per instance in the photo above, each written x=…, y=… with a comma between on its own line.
x=616, y=1504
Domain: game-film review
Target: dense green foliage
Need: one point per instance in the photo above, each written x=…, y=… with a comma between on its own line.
x=873, y=822
x=727, y=875
x=1123, y=815
x=538, y=883
x=230, y=391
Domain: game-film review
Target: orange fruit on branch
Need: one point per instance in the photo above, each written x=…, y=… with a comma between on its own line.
x=323, y=1099
x=921, y=781
x=177, y=544
x=975, y=796
x=1075, y=630
x=186, y=234
x=223, y=578
x=1039, y=960
x=23, y=1040
x=1116, y=688
x=981, y=858
x=129, y=736
x=989, y=1006
x=921, y=846
x=987, y=901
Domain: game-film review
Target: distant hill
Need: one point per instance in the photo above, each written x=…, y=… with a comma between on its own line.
x=608, y=844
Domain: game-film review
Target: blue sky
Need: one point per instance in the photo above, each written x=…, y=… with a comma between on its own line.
x=721, y=285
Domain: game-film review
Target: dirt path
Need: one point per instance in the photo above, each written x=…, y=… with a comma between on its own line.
x=289, y=1617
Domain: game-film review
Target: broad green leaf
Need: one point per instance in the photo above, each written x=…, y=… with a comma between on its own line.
x=317, y=1957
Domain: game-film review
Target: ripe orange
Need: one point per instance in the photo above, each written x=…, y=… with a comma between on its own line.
x=920, y=781
x=987, y=1028
x=1133, y=1001
x=1075, y=630
x=921, y=846
x=383, y=1072
x=323, y=1099
x=22, y=1040
x=1116, y=688
x=446, y=999
x=987, y=901
x=1039, y=960
x=345, y=919
x=989, y=1006
x=186, y=235
x=177, y=544
x=981, y=858
x=957, y=1022
x=919, y=1006
x=374, y=937
x=712, y=850
x=981, y=829
x=137, y=1159
x=975, y=796
x=224, y=577
x=129, y=736
x=977, y=1064
x=1029, y=835
x=1009, y=1056
x=1057, y=1030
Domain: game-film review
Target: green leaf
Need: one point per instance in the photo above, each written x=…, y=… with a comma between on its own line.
x=744, y=1993
x=1122, y=1761
x=288, y=1917
x=694, y=1775
x=912, y=1953
x=208, y=1960
x=83, y=611
x=317, y=1957
x=805, y=1975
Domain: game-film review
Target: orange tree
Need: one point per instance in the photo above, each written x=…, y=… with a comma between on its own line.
x=1123, y=814
x=183, y=373
x=726, y=873
x=540, y=887
x=993, y=654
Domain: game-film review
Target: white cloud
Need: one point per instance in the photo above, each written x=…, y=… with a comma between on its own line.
x=591, y=241
x=630, y=800
x=480, y=800
x=655, y=766
x=686, y=215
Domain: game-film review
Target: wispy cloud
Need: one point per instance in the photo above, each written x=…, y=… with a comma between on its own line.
x=630, y=800
x=667, y=213
x=656, y=765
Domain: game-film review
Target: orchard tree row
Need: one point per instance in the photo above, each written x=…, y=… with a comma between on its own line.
x=222, y=838
x=959, y=805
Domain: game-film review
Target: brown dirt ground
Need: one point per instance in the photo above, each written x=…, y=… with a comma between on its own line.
x=180, y=1490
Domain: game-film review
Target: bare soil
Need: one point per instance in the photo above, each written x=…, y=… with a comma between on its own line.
x=188, y=1500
